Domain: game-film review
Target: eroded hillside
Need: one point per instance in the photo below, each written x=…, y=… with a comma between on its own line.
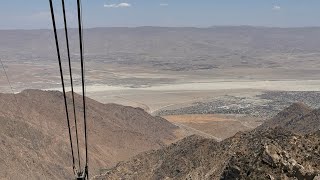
x=34, y=135
x=271, y=152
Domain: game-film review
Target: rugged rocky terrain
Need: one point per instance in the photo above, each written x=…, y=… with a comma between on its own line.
x=297, y=118
x=266, y=153
x=34, y=135
x=271, y=154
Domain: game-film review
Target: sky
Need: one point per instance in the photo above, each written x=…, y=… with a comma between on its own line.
x=35, y=14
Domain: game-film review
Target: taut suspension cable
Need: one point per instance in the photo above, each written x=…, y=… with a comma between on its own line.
x=83, y=82
x=14, y=96
x=80, y=172
x=71, y=80
x=62, y=79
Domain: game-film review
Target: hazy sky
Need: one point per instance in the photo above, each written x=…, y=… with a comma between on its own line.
x=34, y=14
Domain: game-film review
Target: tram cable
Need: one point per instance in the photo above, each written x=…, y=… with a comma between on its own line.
x=71, y=80
x=62, y=80
x=80, y=172
x=83, y=82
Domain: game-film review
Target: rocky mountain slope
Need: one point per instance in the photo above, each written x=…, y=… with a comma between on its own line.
x=297, y=118
x=269, y=154
x=34, y=135
x=266, y=153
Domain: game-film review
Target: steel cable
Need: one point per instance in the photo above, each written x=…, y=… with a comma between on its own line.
x=62, y=79
x=83, y=83
x=71, y=80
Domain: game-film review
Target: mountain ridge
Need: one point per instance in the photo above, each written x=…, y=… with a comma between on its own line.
x=36, y=142
x=245, y=156
x=271, y=152
x=297, y=118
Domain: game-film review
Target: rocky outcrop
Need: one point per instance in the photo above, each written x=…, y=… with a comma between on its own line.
x=268, y=154
x=297, y=118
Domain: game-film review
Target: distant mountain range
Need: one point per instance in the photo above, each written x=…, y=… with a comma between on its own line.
x=225, y=52
x=206, y=47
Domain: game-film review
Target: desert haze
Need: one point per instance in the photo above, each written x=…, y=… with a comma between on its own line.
x=224, y=102
x=155, y=61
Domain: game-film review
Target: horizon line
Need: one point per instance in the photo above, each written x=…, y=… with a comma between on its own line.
x=196, y=27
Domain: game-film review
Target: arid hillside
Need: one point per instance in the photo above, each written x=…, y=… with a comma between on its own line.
x=34, y=134
x=297, y=118
x=269, y=153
